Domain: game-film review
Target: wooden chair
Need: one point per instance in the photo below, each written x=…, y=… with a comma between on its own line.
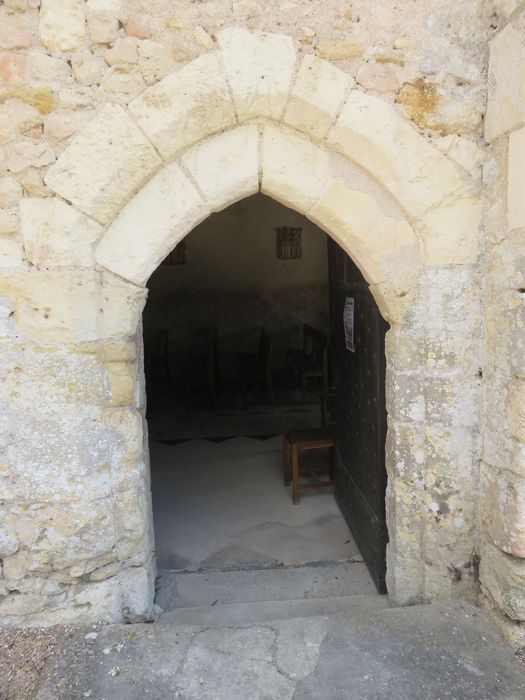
x=200, y=370
x=257, y=369
x=310, y=362
x=310, y=439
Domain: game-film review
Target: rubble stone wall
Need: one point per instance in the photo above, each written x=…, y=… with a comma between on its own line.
x=124, y=124
x=502, y=512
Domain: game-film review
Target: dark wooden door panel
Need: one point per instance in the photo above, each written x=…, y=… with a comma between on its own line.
x=359, y=378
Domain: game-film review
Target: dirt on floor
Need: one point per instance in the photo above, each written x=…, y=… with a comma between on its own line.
x=24, y=653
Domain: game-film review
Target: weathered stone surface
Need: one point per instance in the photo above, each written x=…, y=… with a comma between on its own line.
x=381, y=247
x=503, y=510
x=12, y=68
x=235, y=155
x=516, y=177
x=156, y=61
x=48, y=70
x=516, y=409
x=339, y=50
x=25, y=154
x=122, y=51
x=506, y=95
x=15, y=33
x=102, y=26
x=56, y=234
x=451, y=232
x=173, y=124
x=380, y=77
x=47, y=306
x=172, y=207
x=259, y=68
x=88, y=69
x=102, y=166
x=431, y=107
x=139, y=26
x=370, y=132
x=463, y=151
x=62, y=24
x=504, y=576
x=295, y=171
x=316, y=97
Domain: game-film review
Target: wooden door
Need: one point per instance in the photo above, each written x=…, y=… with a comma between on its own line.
x=359, y=381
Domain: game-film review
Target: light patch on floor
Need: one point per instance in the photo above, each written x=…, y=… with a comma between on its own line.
x=224, y=506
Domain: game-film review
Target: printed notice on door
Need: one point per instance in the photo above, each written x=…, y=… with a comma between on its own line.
x=348, y=320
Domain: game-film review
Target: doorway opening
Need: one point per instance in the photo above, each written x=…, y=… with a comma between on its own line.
x=258, y=324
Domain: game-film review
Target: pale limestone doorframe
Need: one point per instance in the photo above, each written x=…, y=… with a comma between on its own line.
x=252, y=119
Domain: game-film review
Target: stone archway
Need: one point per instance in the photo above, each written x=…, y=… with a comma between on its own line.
x=128, y=188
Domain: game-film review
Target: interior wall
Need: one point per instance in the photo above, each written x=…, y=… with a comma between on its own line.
x=245, y=287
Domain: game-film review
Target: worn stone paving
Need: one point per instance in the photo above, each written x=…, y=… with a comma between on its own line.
x=433, y=651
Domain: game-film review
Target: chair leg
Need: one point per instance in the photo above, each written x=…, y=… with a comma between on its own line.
x=286, y=461
x=295, y=475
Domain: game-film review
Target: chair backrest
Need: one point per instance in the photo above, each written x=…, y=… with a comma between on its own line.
x=315, y=346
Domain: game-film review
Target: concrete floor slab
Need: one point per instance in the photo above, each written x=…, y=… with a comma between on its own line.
x=223, y=505
x=420, y=653
x=182, y=590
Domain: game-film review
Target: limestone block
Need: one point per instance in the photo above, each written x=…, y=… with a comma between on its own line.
x=12, y=69
x=62, y=24
x=317, y=94
x=502, y=510
x=405, y=397
x=56, y=234
x=122, y=51
x=102, y=26
x=10, y=192
x=121, y=307
x=463, y=151
x=63, y=306
x=226, y=166
x=173, y=123
x=295, y=171
x=260, y=69
x=156, y=61
x=138, y=588
x=26, y=154
x=516, y=409
x=504, y=576
x=122, y=379
x=382, y=247
x=506, y=93
x=8, y=222
x=151, y=224
x=59, y=126
x=120, y=80
x=451, y=232
x=67, y=379
x=139, y=26
x=370, y=132
x=380, y=77
x=88, y=69
x=15, y=33
x=103, y=164
x=10, y=253
x=48, y=70
x=452, y=400
x=516, y=177
x=339, y=50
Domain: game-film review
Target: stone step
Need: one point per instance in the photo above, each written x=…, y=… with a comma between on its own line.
x=269, y=611
x=323, y=580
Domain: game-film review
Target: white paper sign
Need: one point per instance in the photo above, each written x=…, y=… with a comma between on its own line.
x=348, y=320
